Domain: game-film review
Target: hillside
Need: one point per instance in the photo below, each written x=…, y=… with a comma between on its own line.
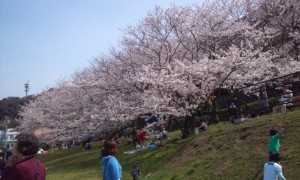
x=225, y=151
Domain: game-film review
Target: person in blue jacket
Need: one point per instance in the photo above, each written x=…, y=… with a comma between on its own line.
x=111, y=168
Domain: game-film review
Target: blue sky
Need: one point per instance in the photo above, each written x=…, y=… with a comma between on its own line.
x=44, y=41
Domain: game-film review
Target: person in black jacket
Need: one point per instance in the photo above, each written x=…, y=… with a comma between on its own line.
x=2, y=166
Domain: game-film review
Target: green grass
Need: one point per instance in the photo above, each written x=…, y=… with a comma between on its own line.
x=225, y=151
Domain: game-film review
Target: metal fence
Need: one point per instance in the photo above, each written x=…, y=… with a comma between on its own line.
x=253, y=99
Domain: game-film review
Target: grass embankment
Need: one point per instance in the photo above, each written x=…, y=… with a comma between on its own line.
x=225, y=151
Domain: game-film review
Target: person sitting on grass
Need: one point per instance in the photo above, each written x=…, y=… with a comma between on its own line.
x=87, y=146
x=273, y=169
x=203, y=126
x=152, y=144
x=285, y=98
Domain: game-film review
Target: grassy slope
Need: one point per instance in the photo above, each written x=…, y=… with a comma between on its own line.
x=225, y=151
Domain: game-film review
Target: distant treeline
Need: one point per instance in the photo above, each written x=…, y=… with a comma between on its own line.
x=11, y=106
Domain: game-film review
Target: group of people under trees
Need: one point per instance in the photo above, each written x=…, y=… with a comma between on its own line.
x=22, y=164
x=112, y=169
x=139, y=138
x=159, y=139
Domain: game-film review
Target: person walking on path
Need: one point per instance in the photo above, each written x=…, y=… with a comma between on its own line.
x=111, y=168
x=273, y=169
x=22, y=165
x=135, y=172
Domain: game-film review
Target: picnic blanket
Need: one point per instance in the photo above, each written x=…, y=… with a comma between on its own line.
x=130, y=152
x=134, y=151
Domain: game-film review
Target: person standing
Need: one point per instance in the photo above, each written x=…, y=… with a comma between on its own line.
x=273, y=169
x=274, y=143
x=111, y=168
x=141, y=135
x=135, y=138
x=2, y=166
x=22, y=165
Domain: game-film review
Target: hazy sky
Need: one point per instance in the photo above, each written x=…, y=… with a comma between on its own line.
x=42, y=41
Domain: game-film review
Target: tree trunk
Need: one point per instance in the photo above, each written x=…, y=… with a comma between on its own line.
x=179, y=125
x=188, y=126
x=215, y=116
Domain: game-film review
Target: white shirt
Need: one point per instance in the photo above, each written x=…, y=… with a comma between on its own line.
x=286, y=97
x=272, y=171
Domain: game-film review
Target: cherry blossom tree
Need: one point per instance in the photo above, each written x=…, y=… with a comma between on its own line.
x=169, y=63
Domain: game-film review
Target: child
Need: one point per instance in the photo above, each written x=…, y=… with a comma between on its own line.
x=135, y=172
x=274, y=143
x=273, y=169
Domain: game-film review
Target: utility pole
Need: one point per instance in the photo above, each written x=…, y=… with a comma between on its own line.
x=27, y=87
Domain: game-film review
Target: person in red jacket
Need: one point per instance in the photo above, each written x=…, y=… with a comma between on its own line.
x=141, y=136
x=22, y=165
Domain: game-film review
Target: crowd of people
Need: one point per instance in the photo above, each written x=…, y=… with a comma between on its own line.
x=22, y=164
x=272, y=169
x=139, y=136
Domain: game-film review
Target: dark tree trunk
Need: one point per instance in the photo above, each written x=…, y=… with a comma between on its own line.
x=215, y=116
x=188, y=125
